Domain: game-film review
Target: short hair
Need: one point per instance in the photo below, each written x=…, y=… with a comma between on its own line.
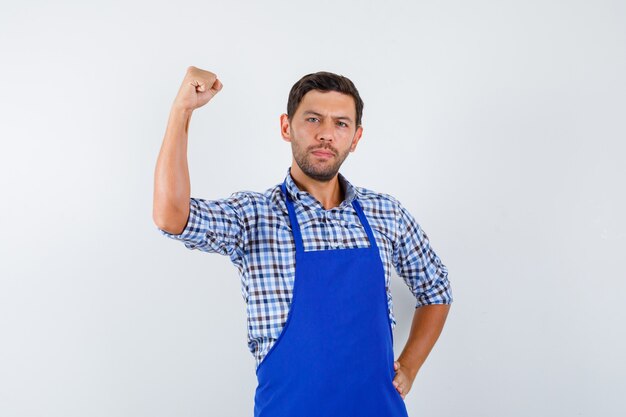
x=323, y=81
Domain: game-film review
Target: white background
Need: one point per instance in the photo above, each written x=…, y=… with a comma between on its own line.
x=499, y=124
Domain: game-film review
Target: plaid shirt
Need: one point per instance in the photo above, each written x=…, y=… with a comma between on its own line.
x=253, y=229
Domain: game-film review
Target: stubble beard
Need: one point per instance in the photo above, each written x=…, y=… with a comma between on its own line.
x=320, y=171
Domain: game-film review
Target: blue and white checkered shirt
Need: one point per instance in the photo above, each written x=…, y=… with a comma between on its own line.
x=253, y=229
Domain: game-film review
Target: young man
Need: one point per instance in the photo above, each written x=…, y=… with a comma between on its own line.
x=315, y=255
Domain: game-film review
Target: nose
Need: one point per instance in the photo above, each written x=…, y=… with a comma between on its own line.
x=326, y=131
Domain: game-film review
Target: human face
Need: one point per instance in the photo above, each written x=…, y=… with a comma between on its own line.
x=322, y=133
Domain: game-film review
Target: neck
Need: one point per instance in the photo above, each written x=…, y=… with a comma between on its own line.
x=328, y=193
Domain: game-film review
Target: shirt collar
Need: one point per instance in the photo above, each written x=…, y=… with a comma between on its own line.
x=305, y=197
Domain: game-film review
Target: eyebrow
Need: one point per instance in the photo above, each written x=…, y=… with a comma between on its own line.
x=317, y=114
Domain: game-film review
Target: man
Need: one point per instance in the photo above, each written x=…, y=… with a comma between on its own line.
x=315, y=255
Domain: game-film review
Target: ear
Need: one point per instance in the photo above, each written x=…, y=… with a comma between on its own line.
x=357, y=137
x=284, y=127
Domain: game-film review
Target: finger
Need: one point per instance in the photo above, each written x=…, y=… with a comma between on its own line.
x=198, y=86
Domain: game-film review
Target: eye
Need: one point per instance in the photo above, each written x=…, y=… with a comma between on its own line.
x=342, y=124
x=311, y=118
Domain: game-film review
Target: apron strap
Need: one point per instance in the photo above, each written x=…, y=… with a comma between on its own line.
x=295, y=227
x=365, y=223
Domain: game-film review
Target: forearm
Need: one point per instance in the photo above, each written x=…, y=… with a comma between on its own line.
x=426, y=327
x=172, y=187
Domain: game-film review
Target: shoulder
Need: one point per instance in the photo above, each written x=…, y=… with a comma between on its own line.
x=247, y=196
x=388, y=209
x=245, y=205
x=246, y=200
x=275, y=199
x=240, y=201
x=259, y=202
x=376, y=200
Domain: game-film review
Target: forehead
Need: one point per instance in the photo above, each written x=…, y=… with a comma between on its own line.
x=328, y=102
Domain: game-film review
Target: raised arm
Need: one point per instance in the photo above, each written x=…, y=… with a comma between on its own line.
x=172, y=187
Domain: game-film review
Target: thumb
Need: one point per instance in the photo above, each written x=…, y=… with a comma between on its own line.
x=217, y=86
x=395, y=365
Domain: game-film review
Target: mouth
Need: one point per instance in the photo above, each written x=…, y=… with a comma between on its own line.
x=323, y=154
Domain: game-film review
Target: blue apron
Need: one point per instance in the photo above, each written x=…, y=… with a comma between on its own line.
x=334, y=356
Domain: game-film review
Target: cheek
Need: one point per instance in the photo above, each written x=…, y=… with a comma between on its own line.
x=302, y=130
x=345, y=136
x=309, y=129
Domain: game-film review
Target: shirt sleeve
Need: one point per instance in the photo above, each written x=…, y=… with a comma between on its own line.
x=216, y=225
x=418, y=264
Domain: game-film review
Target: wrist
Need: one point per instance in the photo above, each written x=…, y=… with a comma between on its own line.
x=409, y=367
x=181, y=111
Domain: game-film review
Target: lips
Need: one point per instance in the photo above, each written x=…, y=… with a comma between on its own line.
x=323, y=153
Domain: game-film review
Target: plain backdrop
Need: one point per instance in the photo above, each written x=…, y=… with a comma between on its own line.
x=499, y=124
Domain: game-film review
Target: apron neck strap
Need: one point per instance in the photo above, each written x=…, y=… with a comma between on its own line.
x=365, y=223
x=295, y=227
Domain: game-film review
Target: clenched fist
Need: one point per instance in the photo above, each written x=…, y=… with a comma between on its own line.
x=198, y=87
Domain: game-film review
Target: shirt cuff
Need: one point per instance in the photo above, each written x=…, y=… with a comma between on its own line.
x=440, y=293
x=189, y=232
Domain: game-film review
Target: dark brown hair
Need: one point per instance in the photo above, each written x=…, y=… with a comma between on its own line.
x=323, y=81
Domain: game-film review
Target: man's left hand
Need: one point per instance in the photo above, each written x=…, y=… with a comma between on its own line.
x=403, y=379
